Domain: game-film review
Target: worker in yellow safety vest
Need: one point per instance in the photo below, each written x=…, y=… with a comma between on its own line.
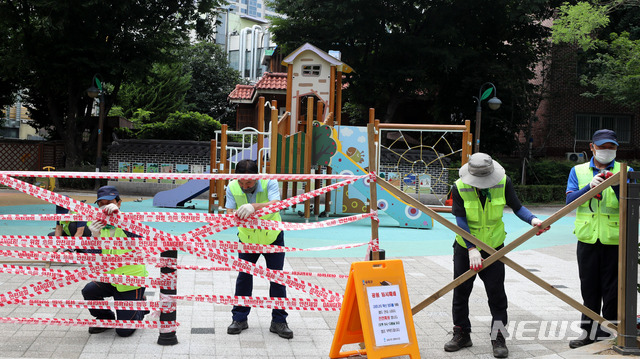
x=597, y=228
x=479, y=197
x=109, y=202
x=245, y=196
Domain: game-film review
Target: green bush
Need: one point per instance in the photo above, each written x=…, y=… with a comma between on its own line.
x=541, y=193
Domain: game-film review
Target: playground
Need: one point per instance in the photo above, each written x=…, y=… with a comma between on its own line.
x=349, y=194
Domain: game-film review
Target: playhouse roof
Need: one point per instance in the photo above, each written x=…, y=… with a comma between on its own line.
x=241, y=92
x=273, y=81
x=325, y=56
x=270, y=82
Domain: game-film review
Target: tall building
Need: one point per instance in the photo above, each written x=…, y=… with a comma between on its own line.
x=243, y=31
x=254, y=8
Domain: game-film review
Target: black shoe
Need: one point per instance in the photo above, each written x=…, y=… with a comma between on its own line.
x=96, y=330
x=282, y=329
x=237, y=327
x=580, y=343
x=461, y=339
x=500, y=349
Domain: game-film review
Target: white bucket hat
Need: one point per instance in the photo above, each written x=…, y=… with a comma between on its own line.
x=481, y=171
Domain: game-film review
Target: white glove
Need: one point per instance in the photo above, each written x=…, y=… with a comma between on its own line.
x=536, y=222
x=110, y=208
x=245, y=211
x=596, y=181
x=95, y=227
x=475, y=259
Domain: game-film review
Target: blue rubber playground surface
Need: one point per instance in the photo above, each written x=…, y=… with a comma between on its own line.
x=396, y=241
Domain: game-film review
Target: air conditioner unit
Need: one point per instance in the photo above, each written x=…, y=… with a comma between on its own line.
x=575, y=157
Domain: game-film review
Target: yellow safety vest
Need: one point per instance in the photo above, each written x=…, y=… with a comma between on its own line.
x=603, y=222
x=484, y=223
x=139, y=270
x=256, y=236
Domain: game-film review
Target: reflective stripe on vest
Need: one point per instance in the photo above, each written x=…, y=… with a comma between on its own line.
x=139, y=270
x=249, y=235
x=484, y=223
x=603, y=222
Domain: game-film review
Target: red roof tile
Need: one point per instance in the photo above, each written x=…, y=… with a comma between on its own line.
x=273, y=81
x=242, y=92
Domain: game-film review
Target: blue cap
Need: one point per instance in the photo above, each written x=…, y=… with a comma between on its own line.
x=61, y=210
x=108, y=193
x=601, y=137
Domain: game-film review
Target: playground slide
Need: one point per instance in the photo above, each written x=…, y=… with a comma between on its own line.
x=406, y=215
x=177, y=197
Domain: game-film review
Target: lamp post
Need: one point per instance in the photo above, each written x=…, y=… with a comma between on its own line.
x=96, y=91
x=494, y=104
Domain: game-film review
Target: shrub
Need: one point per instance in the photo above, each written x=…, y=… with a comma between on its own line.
x=80, y=183
x=541, y=193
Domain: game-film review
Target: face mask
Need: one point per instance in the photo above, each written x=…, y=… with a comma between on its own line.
x=250, y=189
x=605, y=156
x=108, y=226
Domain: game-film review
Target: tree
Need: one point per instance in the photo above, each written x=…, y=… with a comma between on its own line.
x=52, y=49
x=191, y=126
x=609, y=36
x=161, y=93
x=421, y=61
x=212, y=79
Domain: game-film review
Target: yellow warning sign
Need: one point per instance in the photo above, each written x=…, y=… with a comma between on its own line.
x=376, y=311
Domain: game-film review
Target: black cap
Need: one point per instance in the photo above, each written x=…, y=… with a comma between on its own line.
x=108, y=193
x=601, y=137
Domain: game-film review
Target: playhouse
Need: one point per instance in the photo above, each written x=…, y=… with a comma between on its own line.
x=306, y=136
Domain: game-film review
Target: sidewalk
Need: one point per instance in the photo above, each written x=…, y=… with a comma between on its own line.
x=202, y=331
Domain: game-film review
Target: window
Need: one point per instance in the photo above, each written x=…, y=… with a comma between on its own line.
x=310, y=70
x=587, y=124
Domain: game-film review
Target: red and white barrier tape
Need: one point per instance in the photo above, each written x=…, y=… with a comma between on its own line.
x=104, y=323
x=298, y=273
x=134, y=243
x=165, y=307
x=89, y=258
x=265, y=302
x=144, y=230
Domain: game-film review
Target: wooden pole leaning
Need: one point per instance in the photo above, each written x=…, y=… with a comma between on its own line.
x=499, y=255
x=373, y=189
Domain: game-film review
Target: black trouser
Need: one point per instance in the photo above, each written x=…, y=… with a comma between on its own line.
x=493, y=278
x=598, y=269
x=244, y=283
x=100, y=290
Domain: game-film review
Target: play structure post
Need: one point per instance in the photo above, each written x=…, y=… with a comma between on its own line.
x=373, y=189
x=273, y=138
x=260, y=127
x=212, y=183
x=317, y=182
x=338, y=110
x=628, y=264
x=223, y=166
x=332, y=91
x=169, y=338
x=307, y=154
x=466, y=142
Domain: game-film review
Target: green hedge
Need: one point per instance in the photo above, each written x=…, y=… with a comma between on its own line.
x=541, y=193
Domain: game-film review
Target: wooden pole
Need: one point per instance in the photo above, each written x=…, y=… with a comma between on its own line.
x=273, y=139
x=373, y=187
x=338, y=111
x=307, y=154
x=224, y=168
x=466, y=143
x=499, y=255
x=213, y=196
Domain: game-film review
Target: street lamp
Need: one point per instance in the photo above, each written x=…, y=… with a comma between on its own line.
x=96, y=91
x=494, y=104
